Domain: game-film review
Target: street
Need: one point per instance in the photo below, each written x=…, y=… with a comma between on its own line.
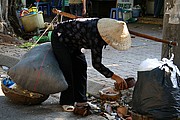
x=123, y=63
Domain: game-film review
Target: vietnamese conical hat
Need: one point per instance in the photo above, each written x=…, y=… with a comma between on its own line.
x=115, y=33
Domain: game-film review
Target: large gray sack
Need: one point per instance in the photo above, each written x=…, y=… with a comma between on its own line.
x=38, y=71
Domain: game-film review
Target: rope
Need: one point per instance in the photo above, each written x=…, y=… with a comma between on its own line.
x=169, y=50
x=45, y=31
x=41, y=67
x=40, y=70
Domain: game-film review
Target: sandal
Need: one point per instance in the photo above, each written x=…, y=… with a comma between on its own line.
x=68, y=108
x=82, y=110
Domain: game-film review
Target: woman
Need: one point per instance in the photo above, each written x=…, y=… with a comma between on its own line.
x=158, y=5
x=77, y=7
x=69, y=37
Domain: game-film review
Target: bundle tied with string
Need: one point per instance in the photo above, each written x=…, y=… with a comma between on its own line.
x=38, y=71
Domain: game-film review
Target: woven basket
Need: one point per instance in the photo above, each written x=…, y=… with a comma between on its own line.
x=22, y=96
x=108, y=96
x=136, y=116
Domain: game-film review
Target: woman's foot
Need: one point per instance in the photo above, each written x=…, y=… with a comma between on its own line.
x=155, y=16
x=68, y=108
x=82, y=109
x=81, y=104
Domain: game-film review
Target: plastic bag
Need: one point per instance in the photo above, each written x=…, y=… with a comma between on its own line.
x=149, y=64
x=38, y=71
x=155, y=95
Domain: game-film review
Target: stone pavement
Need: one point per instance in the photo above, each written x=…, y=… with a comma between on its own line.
x=124, y=63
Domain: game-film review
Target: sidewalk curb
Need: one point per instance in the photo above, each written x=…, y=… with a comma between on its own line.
x=8, y=61
x=92, y=88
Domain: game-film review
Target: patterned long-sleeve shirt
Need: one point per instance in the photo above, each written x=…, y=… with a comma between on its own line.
x=78, y=34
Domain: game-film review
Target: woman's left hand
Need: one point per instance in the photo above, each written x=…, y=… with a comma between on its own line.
x=84, y=12
x=120, y=82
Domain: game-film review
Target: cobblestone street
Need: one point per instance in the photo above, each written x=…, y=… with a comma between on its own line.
x=125, y=63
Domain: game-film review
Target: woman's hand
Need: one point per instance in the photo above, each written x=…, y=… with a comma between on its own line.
x=84, y=7
x=84, y=11
x=120, y=82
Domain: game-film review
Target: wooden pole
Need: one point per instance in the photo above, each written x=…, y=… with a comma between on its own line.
x=153, y=38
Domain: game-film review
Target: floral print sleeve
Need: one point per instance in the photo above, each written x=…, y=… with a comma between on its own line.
x=97, y=63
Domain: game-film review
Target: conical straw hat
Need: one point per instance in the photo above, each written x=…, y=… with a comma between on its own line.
x=115, y=33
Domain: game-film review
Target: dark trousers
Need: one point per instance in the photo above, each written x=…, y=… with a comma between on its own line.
x=158, y=5
x=74, y=68
x=76, y=9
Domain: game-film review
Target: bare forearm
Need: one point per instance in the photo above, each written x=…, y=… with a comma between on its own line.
x=121, y=83
x=84, y=7
x=84, y=4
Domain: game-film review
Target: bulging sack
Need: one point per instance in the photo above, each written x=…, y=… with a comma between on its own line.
x=157, y=92
x=38, y=71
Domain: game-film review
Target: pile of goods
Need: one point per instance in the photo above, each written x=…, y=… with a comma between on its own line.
x=19, y=95
x=112, y=103
x=26, y=11
x=157, y=91
x=34, y=77
x=109, y=94
x=31, y=19
x=38, y=71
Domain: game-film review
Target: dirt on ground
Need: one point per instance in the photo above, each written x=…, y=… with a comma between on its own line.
x=7, y=39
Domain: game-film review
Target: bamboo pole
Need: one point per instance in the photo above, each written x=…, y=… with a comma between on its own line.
x=153, y=38
x=131, y=32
